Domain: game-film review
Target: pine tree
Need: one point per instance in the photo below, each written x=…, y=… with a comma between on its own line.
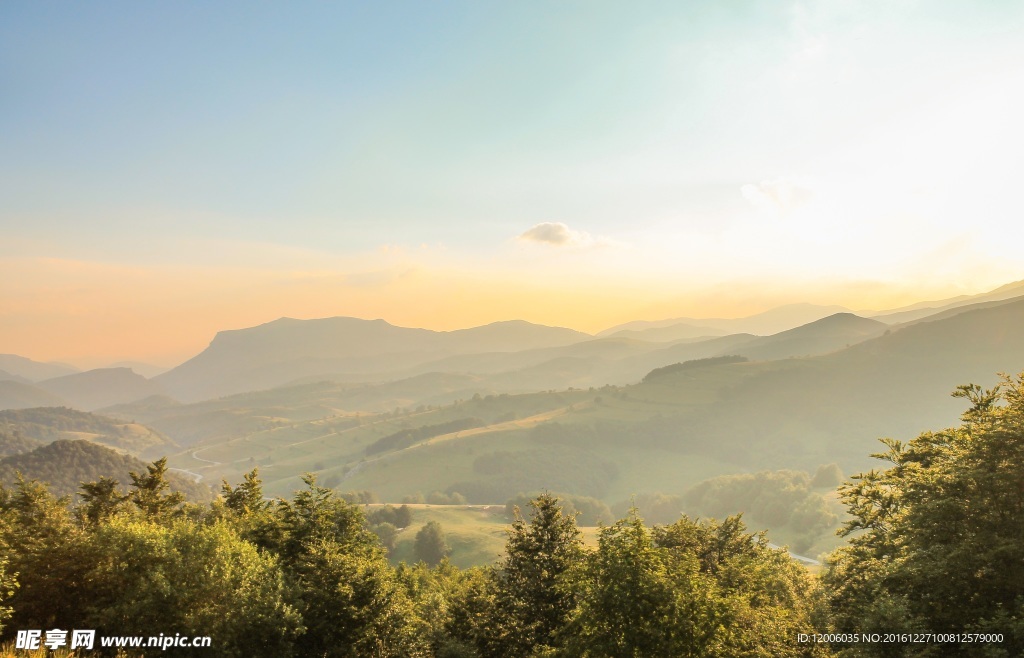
x=533, y=601
x=151, y=493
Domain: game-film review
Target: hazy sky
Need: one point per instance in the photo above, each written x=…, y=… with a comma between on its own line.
x=171, y=169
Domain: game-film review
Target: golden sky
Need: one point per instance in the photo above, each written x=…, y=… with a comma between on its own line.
x=449, y=166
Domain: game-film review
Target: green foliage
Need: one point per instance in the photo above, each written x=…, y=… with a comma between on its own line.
x=40, y=542
x=763, y=598
x=534, y=601
x=400, y=517
x=317, y=515
x=441, y=498
x=430, y=546
x=101, y=500
x=638, y=599
x=8, y=585
x=781, y=500
x=387, y=533
x=936, y=539
x=247, y=497
x=187, y=578
x=151, y=492
x=363, y=497
x=353, y=605
x=587, y=511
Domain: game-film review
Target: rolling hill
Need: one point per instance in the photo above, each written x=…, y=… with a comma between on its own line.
x=64, y=465
x=50, y=424
x=819, y=337
x=662, y=435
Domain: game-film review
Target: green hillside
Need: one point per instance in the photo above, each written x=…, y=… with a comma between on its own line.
x=48, y=424
x=64, y=465
x=662, y=435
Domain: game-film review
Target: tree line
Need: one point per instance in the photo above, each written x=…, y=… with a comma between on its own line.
x=934, y=546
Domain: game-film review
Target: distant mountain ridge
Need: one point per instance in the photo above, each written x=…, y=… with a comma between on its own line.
x=925, y=309
x=102, y=387
x=819, y=337
x=287, y=350
x=33, y=371
x=766, y=323
x=19, y=395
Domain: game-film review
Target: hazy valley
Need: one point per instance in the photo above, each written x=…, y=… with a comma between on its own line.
x=480, y=415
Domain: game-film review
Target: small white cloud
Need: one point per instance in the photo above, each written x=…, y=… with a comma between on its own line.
x=781, y=194
x=559, y=235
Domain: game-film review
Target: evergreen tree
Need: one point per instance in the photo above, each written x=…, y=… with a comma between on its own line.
x=247, y=497
x=533, y=601
x=150, y=492
x=43, y=547
x=101, y=500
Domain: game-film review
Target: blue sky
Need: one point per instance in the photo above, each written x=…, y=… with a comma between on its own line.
x=197, y=155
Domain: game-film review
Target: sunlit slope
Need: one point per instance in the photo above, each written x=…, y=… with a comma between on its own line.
x=569, y=440
x=336, y=445
x=832, y=408
x=48, y=424
x=242, y=414
x=819, y=337
x=475, y=534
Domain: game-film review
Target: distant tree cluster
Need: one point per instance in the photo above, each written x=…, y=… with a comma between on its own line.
x=361, y=497
x=14, y=442
x=778, y=499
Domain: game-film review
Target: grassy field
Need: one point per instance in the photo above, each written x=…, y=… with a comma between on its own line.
x=476, y=534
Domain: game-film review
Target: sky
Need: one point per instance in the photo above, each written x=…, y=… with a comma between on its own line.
x=169, y=170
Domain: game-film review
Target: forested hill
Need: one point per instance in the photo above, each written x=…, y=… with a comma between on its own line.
x=13, y=443
x=52, y=423
x=65, y=465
